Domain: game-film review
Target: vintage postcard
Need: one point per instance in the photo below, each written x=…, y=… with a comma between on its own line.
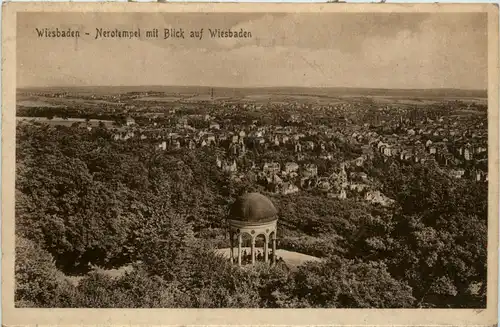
x=242, y=164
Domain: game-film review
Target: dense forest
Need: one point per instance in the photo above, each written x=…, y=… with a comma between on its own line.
x=84, y=201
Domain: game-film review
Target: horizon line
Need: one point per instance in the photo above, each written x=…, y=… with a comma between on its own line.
x=256, y=87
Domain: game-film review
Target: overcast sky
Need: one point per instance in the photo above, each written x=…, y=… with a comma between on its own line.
x=312, y=50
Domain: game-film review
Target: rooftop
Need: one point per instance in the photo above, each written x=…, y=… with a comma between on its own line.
x=253, y=207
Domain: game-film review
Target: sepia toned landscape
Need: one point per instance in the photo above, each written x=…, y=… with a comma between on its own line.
x=288, y=183
x=382, y=198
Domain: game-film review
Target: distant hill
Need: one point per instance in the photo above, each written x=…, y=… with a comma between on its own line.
x=241, y=92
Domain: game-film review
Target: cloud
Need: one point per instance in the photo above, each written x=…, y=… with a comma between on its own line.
x=352, y=50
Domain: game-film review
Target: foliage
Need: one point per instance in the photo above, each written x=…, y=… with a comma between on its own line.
x=343, y=283
x=38, y=282
x=133, y=290
x=440, y=235
x=83, y=200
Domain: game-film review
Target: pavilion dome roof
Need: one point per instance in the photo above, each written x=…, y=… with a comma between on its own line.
x=253, y=207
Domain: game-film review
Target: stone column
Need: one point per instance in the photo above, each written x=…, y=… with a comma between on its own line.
x=239, y=249
x=274, y=247
x=253, y=250
x=231, y=253
x=266, y=245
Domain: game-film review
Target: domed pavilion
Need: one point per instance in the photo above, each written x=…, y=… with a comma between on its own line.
x=255, y=215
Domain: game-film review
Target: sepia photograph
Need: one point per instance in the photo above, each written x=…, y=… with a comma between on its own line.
x=253, y=159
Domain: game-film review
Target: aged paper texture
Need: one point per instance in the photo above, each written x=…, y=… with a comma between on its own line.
x=242, y=164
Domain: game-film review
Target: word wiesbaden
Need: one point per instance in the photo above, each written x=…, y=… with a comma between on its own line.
x=56, y=32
